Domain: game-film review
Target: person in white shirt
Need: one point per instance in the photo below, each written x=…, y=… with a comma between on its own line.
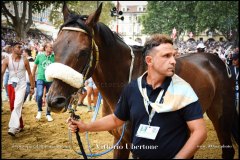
x=17, y=66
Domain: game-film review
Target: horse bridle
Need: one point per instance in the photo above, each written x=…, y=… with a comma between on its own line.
x=88, y=66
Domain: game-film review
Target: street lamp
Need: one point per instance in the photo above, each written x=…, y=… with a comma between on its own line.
x=116, y=13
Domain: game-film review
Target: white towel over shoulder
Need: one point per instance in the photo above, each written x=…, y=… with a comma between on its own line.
x=178, y=95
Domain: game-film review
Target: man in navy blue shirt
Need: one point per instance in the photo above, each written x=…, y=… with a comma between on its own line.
x=166, y=122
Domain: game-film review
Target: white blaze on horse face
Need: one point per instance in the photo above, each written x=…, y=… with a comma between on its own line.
x=64, y=73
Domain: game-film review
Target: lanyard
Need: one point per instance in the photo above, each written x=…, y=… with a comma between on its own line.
x=147, y=102
x=15, y=70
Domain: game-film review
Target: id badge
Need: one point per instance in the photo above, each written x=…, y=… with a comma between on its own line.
x=148, y=132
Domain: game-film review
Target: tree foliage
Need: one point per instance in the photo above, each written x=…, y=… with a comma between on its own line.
x=83, y=8
x=220, y=15
x=194, y=16
x=163, y=16
x=21, y=18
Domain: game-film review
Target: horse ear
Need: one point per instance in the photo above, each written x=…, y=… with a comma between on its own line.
x=65, y=11
x=94, y=17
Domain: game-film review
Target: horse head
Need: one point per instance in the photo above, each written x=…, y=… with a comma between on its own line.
x=76, y=56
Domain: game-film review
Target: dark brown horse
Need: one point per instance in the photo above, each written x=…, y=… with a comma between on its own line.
x=75, y=46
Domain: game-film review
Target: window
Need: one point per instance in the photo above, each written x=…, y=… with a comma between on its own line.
x=139, y=9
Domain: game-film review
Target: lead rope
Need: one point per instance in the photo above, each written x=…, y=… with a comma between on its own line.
x=76, y=117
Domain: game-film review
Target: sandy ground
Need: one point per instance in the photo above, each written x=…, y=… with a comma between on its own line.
x=50, y=139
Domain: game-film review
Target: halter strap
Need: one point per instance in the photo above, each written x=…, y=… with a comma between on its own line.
x=74, y=29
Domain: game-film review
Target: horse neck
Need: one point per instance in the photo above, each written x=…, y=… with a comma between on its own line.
x=112, y=72
x=113, y=60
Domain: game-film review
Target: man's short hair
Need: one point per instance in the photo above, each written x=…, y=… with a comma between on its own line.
x=15, y=43
x=28, y=51
x=155, y=40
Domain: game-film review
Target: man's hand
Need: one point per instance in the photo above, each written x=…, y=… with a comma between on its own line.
x=74, y=125
x=31, y=91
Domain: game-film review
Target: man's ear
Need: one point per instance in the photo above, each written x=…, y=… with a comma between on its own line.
x=149, y=60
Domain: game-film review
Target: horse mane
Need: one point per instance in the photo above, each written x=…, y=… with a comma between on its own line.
x=108, y=36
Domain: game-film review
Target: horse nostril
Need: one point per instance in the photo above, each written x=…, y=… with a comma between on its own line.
x=61, y=100
x=58, y=101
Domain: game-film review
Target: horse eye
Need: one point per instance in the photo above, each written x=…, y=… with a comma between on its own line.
x=83, y=53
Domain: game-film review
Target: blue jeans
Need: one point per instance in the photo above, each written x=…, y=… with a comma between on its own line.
x=5, y=81
x=40, y=87
x=27, y=91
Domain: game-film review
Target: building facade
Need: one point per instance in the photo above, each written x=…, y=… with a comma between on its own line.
x=130, y=27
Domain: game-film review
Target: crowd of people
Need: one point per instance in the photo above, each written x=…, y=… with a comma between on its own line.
x=34, y=37
x=223, y=49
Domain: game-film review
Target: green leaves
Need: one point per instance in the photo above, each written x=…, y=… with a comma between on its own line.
x=167, y=15
x=221, y=15
x=83, y=8
x=194, y=16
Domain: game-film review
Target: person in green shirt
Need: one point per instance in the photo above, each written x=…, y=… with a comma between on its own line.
x=41, y=62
